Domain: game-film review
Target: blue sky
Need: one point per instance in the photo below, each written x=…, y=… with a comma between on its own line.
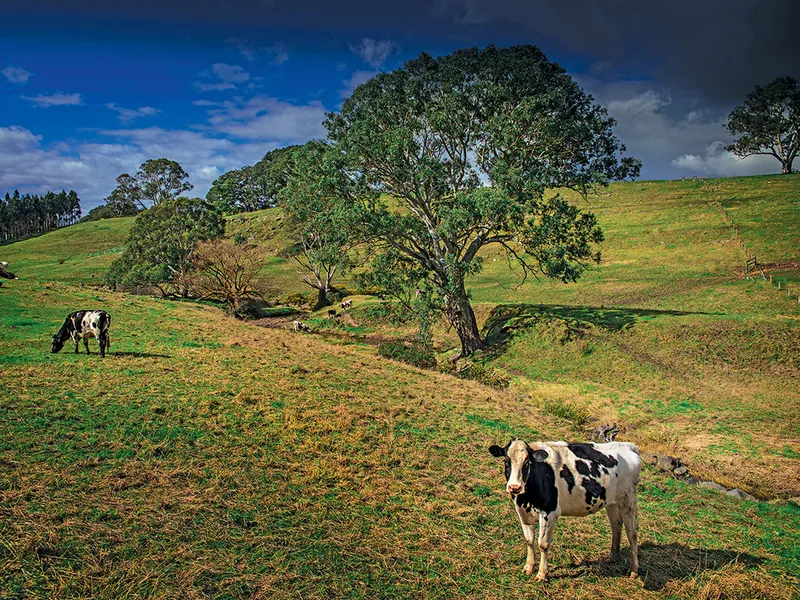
x=90, y=92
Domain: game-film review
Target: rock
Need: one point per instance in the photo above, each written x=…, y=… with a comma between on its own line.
x=666, y=463
x=737, y=493
x=681, y=471
x=692, y=480
x=650, y=458
x=713, y=486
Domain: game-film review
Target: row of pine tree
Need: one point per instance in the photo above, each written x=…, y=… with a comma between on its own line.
x=23, y=216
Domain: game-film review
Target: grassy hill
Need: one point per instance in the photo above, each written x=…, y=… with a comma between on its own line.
x=210, y=458
x=207, y=458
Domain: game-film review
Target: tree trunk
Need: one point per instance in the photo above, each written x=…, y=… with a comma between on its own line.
x=786, y=167
x=459, y=313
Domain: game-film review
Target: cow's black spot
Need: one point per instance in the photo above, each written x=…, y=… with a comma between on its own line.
x=590, y=469
x=540, y=488
x=567, y=476
x=588, y=452
x=594, y=491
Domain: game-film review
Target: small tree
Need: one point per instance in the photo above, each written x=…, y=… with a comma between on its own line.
x=228, y=272
x=160, y=246
x=321, y=217
x=768, y=123
x=434, y=133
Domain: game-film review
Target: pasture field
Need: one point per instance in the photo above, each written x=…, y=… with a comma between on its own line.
x=211, y=458
x=208, y=458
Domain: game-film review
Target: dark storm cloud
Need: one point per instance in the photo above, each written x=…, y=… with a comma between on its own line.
x=720, y=48
x=669, y=72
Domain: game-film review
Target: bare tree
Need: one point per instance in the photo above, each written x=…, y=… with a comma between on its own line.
x=228, y=272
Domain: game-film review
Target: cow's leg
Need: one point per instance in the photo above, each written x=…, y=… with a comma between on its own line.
x=529, y=532
x=547, y=523
x=102, y=342
x=615, y=518
x=86, y=343
x=77, y=341
x=629, y=516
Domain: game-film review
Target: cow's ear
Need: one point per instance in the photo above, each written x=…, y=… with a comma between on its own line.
x=539, y=455
x=496, y=451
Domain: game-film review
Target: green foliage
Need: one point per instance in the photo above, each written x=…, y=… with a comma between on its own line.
x=296, y=299
x=31, y=214
x=319, y=218
x=238, y=191
x=491, y=376
x=578, y=416
x=415, y=355
x=161, y=179
x=431, y=132
x=156, y=181
x=769, y=122
x=160, y=245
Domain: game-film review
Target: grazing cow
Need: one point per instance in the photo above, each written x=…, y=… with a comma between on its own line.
x=300, y=326
x=82, y=324
x=347, y=304
x=574, y=480
x=331, y=314
x=5, y=274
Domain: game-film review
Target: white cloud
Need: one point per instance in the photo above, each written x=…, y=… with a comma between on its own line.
x=264, y=118
x=375, y=52
x=92, y=167
x=222, y=76
x=57, y=99
x=16, y=74
x=670, y=134
x=129, y=114
x=355, y=80
x=251, y=50
x=716, y=161
x=278, y=52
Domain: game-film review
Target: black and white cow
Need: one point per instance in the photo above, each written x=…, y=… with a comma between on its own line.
x=4, y=274
x=549, y=479
x=82, y=324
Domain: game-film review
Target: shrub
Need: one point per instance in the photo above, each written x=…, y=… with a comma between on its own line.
x=296, y=298
x=410, y=354
x=576, y=415
x=493, y=377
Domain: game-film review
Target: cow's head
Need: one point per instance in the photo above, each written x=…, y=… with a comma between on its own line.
x=519, y=459
x=57, y=344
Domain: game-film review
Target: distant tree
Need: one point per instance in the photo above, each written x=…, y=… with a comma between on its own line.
x=123, y=198
x=239, y=191
x=272, y=172
x=31, y=214
x=321, y=217
x=768, y=122
x=228, y=272
x=467, y=145
x=160, y=246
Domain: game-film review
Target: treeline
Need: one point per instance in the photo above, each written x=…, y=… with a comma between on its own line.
x=22, y=216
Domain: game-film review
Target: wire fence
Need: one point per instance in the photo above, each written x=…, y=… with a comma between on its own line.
x=751, y=264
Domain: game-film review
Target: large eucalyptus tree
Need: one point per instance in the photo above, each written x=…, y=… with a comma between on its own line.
x=467, y=145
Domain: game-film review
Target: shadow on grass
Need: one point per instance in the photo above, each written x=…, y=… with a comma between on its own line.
x=138, y=355
x=507, y=318
x=661, y=563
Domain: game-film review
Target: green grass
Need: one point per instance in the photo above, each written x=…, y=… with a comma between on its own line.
x=208, y=458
